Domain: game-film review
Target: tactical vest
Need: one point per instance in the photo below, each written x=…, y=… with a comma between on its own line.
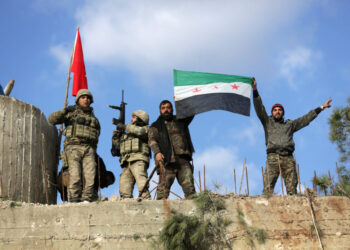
x=132, y=144
x=83, y=126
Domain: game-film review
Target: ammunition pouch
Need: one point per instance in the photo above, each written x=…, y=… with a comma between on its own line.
x=86, y=128
x=130, y=145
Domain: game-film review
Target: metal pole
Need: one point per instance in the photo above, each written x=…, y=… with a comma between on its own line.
x=152, y=189
x=147, y=182
x=195, y=182
x=240, y=186
x=331, y=182
x=61, y=126
x=66, y=95
x=298, y=173
x=204, y=177
x=178, y=196
x=200, y=181
x=234, y=174
x=246, y=175
x=313, y=217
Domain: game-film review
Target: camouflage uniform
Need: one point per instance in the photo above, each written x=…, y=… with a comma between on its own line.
x=134, y=155
x=280, y=146
x=177, y=161
x=106, y=177
x=82, y=130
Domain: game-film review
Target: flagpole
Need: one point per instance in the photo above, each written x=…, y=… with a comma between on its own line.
x=64, y=106
x=68, y=79
x=66, y=96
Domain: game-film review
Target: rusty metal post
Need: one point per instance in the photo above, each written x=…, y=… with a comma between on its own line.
x=204, y=177
x=246, y=175
x=234, y=175
x=240, y=186
x=331, y=182
x=200, y=182
x=152, y=190
x=178, y=196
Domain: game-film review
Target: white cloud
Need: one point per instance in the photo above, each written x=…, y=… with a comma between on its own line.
x=250, y=133
x=220, y=163
x=296, y=61
x=153, y=37
x=62, y=54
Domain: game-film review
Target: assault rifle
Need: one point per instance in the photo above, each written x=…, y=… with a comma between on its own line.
x=121, y=108
x=121, y=120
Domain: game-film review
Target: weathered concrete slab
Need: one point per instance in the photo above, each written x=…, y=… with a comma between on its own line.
x=129, y=224
x=28, y=161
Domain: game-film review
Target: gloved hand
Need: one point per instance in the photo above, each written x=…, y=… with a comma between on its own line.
x=121, y=127
x=70, y=108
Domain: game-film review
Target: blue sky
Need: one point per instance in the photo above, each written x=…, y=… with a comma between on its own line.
x=297, y=50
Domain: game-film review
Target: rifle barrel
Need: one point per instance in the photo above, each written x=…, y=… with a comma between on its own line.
x=114, y=107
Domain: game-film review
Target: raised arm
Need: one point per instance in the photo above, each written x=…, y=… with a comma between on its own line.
x=306, y=119
x=58, y=117
x=187, y=120
x=258, y=105
x=137, y=130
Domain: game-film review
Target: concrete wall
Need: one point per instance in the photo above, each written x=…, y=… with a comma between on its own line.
x=27, y=153
x=129, y=224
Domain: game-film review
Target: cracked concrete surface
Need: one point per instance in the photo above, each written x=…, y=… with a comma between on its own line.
x=128, y=224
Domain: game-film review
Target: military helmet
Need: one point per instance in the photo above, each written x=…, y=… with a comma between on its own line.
x=82, y=92
x=142, y=115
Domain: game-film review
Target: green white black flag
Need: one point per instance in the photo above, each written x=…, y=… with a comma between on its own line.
x=197, y=92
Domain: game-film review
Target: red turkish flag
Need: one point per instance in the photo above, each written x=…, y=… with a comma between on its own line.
x=78, y=67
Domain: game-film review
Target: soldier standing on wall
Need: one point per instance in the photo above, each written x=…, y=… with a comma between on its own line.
x=82, y=132
x=132, y=148
x=170, y=141
x=102, y=180
x=279, y=142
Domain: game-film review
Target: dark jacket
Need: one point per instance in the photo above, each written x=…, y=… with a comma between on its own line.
x=159, y=139
x=279, y=134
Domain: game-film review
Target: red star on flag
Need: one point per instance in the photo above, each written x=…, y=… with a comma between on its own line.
x=235, y=86
x=196, y=90
x=215, y=87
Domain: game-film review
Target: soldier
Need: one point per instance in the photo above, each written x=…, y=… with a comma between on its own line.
x=170, y=141
x=134, y=153
x=279, y=142
x=82, y=130
x=106, y=177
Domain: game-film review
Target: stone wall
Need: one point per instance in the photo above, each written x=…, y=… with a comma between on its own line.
x=129, y=224
x=28, y=162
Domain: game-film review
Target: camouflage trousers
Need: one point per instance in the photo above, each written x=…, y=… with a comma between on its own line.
x=135, y=171
x=272, y=172
x=182, y=170
x=82, y=171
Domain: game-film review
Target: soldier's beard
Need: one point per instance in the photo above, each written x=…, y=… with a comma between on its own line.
x=167, y=117
x=278, y=119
